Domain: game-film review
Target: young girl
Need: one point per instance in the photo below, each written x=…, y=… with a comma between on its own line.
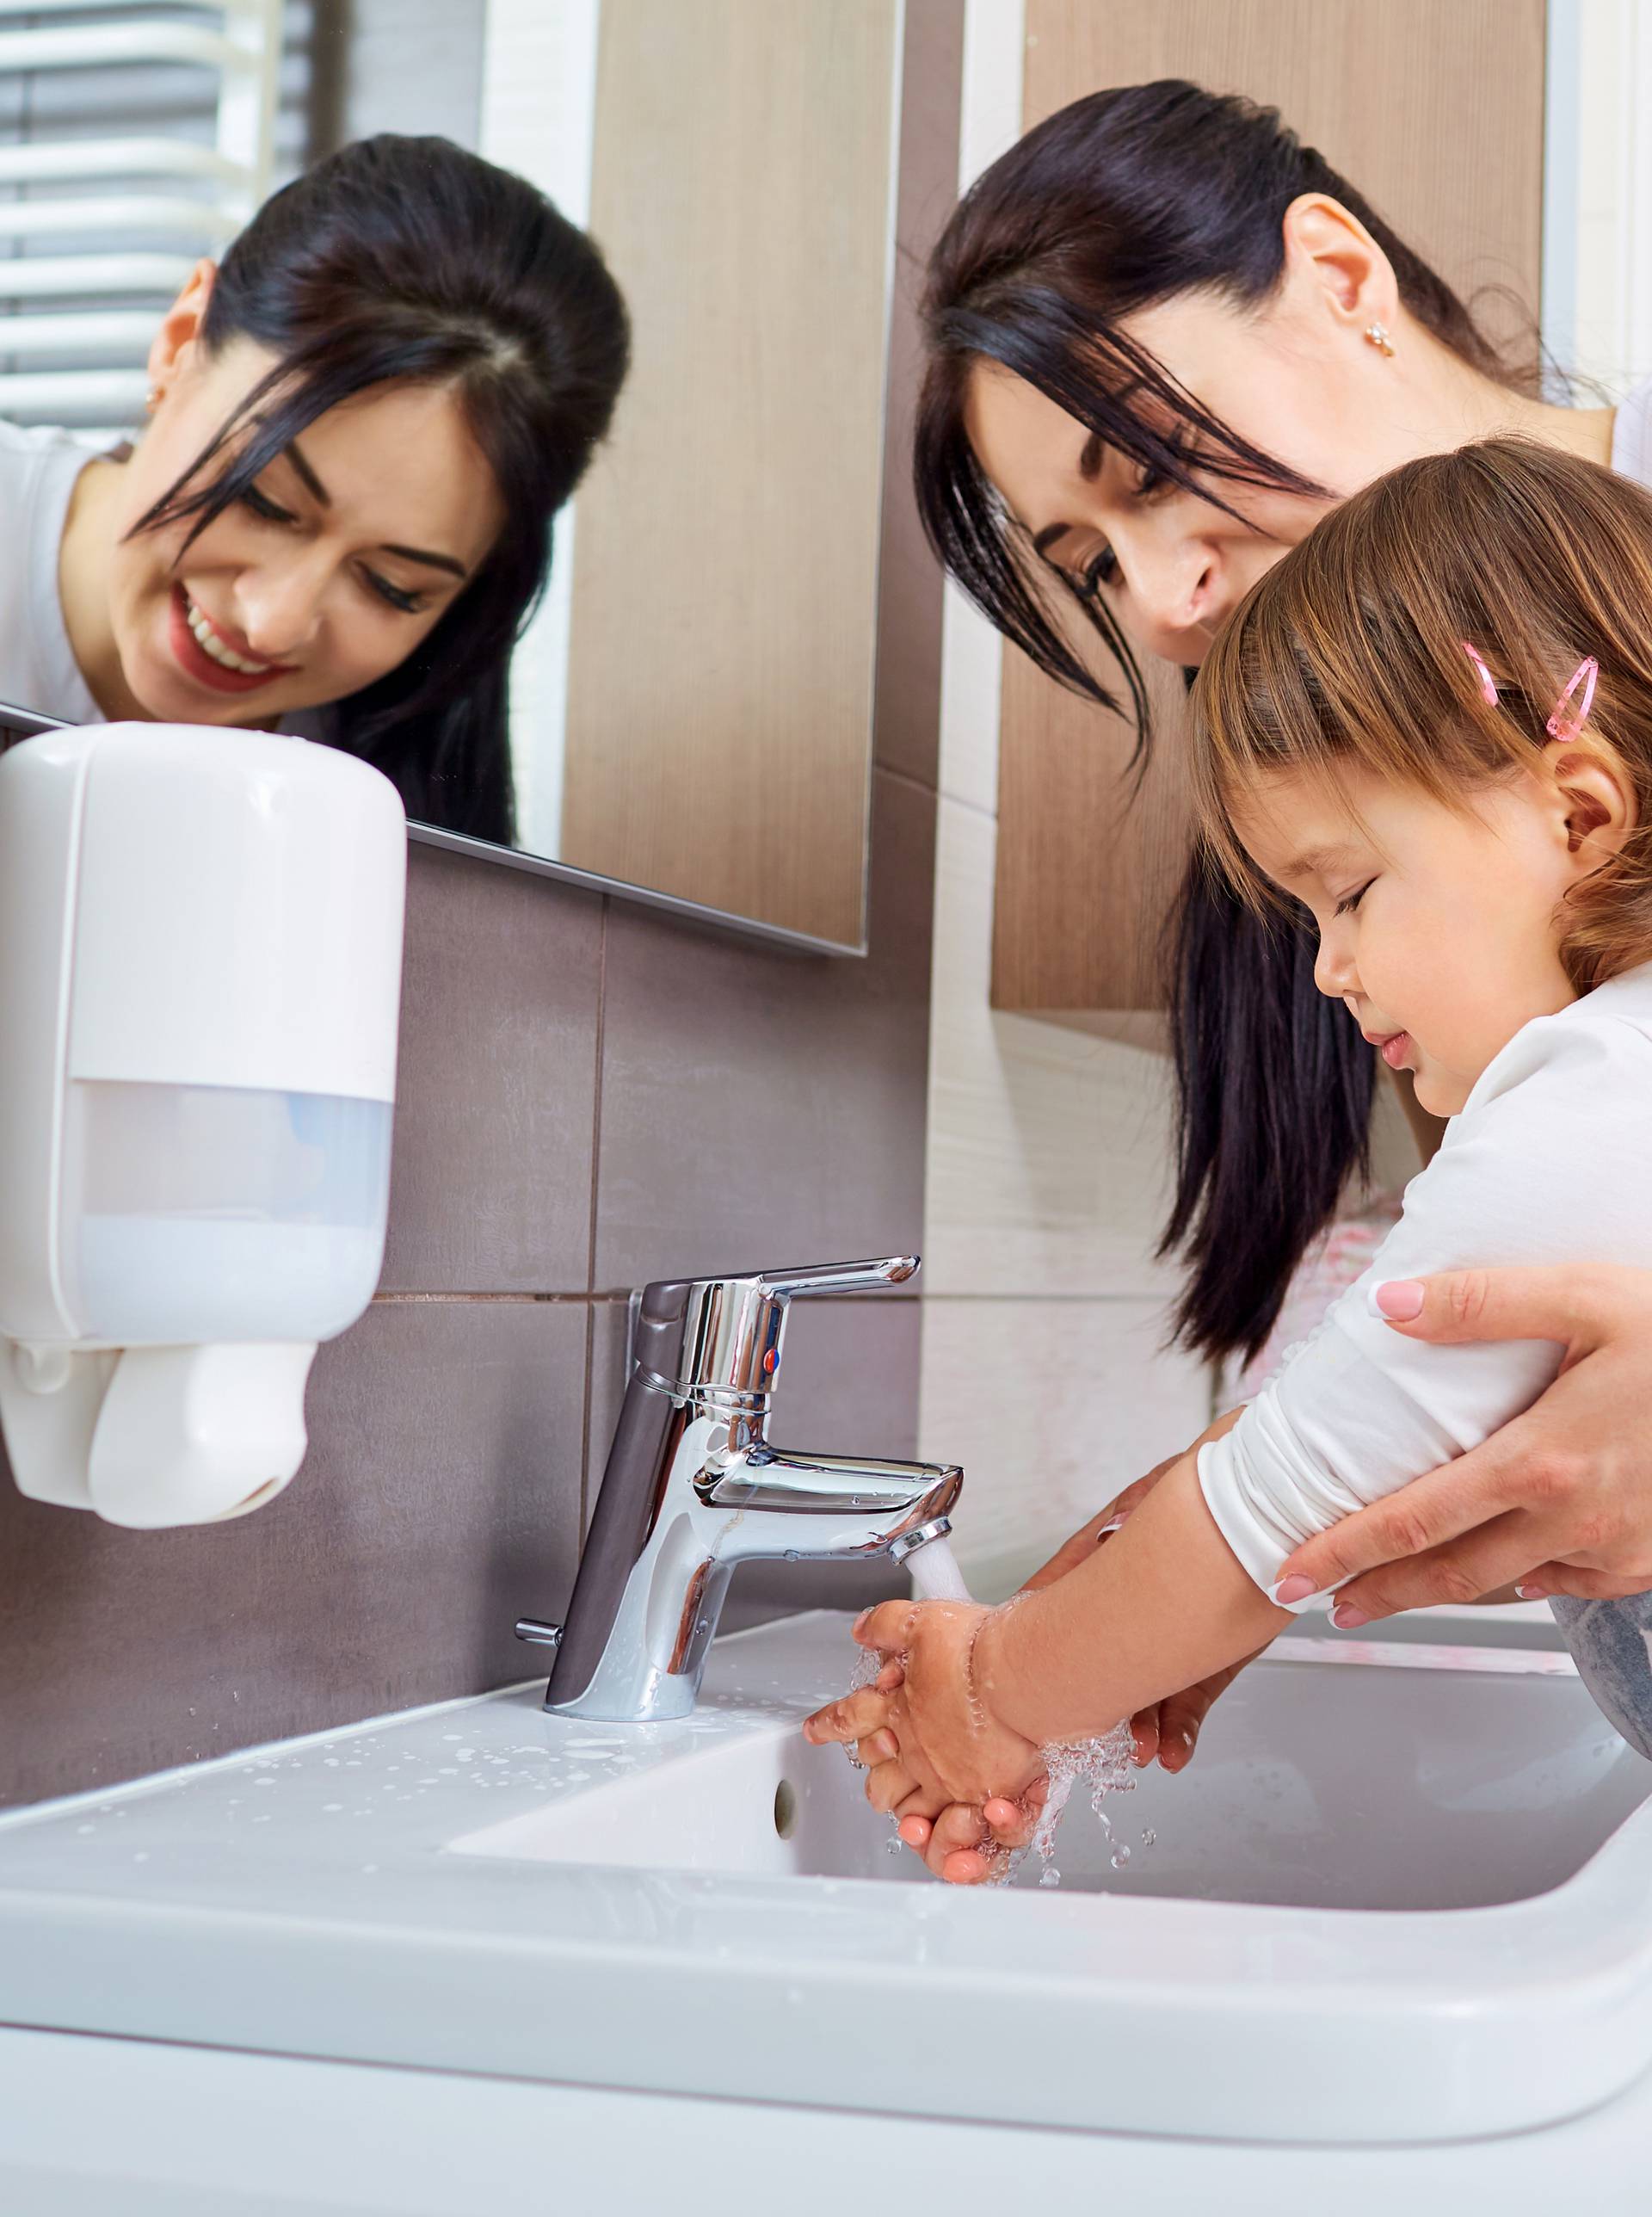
x=1431, y=724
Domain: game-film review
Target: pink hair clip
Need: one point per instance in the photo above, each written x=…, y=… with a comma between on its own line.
x=1488, y=690
x=1566, y=720
x=1563, y=725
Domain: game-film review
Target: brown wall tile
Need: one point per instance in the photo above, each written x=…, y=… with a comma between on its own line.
x=438, y=1502
x=492, y=1183
x=760, y=1107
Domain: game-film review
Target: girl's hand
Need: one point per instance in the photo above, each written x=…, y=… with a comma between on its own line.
x=1559, y=1501
x=949, y=1746
x=967, y=1845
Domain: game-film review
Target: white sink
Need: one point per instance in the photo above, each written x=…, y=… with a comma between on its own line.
x=1403, y=1894
x=1428, y=1779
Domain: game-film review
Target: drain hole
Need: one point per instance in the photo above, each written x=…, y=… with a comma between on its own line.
x=786, y=1809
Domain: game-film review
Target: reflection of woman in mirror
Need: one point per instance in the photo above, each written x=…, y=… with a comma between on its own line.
x=361, y=425
x=1164, y=338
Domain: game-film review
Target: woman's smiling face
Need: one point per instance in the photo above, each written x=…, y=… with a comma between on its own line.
x=348, y=549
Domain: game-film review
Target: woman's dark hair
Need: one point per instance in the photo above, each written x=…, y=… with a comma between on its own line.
x=409, y=260
x=1122, y=199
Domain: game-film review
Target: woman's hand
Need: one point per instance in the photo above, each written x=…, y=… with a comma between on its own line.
x=1559, y=1501
x=948, y=1744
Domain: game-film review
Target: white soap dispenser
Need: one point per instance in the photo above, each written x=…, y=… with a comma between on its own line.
x=200, y=938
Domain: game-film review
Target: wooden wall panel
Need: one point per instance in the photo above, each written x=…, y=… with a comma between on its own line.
x=725, y=595
x=1435, y=112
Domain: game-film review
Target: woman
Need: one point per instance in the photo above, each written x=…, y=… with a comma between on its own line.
x=362, y=424
x=1163, y=339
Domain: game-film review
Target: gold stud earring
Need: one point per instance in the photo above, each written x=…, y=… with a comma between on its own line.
x=1377, y=336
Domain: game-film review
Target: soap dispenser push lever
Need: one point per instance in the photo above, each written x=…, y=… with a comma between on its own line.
x=693, y=1487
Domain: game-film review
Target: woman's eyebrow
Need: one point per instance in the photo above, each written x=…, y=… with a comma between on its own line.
x=1089, y=469
x=433, y=561
x=306, y=477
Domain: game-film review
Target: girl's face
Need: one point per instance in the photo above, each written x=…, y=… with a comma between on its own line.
x=1438, y=928
x=346, y=554
x=1296, y=377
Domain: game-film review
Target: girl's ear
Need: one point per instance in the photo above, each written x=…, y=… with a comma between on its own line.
x=1594, y=801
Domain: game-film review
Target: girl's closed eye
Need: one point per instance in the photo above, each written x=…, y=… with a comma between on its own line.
x=1349, y=902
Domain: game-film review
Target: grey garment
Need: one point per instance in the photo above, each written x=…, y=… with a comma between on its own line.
x=1612, y=1646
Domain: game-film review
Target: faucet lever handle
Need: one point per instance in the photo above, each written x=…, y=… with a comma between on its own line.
x=723, y=1335
x=838, y=1277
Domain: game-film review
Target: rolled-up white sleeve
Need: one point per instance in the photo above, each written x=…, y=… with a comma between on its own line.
x=1550, y=1162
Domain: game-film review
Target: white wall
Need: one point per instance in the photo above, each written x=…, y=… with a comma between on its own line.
x=539, y=108
x=1597, y=228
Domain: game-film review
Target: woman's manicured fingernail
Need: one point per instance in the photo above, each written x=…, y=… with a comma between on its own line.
x=1347, y=1619
x=1530, y=1592
x=1400, y=1301
x=1293, y=1588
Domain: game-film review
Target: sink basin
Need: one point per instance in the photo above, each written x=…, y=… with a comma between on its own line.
x=1429, y=1779
x=1403, y=1895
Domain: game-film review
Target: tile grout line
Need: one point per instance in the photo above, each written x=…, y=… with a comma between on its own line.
x=590, y=1243
x=456, y=1295
x=905, y=777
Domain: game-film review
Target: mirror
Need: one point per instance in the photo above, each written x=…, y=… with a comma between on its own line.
x=691, y=711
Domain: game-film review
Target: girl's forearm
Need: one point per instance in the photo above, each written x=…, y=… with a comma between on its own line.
x=1162, y=1606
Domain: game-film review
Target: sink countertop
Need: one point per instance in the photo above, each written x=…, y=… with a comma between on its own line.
x=301, y=1899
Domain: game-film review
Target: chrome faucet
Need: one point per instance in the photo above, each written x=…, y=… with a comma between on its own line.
x=693, y=1487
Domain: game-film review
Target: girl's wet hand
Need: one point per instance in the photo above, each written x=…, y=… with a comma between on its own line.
x=968, y=1846
x=950, y=1746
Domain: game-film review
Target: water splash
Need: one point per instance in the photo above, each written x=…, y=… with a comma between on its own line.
x=1105, y=1765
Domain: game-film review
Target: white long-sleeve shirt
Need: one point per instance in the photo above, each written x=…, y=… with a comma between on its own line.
x=1550, y=1160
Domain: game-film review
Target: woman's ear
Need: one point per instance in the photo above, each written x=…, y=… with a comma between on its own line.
x=1329, y=248
x=1594, y=801
x=172, y=350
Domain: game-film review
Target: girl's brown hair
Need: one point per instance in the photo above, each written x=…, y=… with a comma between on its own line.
x=1350, y=651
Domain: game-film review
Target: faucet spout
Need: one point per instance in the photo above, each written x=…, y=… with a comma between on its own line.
x=822, y=1508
